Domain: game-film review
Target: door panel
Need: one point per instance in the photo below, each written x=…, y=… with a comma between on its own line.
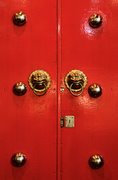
x=93, y=51
x=28, y=122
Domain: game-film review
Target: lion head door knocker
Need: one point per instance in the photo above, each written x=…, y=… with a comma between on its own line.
x=76, y=81
x=39, y=82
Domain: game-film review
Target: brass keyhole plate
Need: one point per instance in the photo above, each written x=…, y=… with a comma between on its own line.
x=76, y=78
x=39, y=81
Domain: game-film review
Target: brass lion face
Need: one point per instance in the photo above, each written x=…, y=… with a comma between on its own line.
x=76, y=81
x=39, y=81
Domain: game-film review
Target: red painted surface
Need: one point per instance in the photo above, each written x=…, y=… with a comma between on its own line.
x=57, y=39
x=28, y=123
x=95, y=53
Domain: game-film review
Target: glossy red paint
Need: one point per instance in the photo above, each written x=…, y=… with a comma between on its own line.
x=57, y=38
x=28, y=123
x=94, y=51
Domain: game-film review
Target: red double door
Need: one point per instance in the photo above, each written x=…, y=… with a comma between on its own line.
x=58, y=38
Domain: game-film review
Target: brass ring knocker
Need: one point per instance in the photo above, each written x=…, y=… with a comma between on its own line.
x=76, y=92
x=41, y=92
x=39, y=82
x=76, y=81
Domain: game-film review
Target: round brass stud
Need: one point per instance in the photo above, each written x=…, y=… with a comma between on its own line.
x=96, y=161
x=95, y=20
x=39, y=82
x=18, y=160
x=19, y=19
x=19, y=89
x=76, y=81
x=95, y=90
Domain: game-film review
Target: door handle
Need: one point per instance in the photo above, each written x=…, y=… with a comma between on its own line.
x=76, y=81
x=39, y=82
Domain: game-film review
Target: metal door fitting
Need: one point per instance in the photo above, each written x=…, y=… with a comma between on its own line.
x=76, y=81
x=68, y=121
x=39, y=82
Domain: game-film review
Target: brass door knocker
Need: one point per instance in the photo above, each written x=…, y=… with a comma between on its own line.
x=76, y=81
x=39, y=82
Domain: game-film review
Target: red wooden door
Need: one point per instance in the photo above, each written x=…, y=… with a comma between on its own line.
x=28, y=122
x=57, y=37
x=93, y=51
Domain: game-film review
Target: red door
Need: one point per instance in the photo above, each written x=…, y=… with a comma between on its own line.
x=58, y=64
x=89, y=44
x=28, y=121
